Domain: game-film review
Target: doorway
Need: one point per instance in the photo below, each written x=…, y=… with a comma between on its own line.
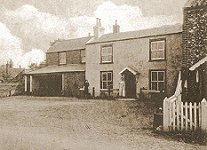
x=130, y=82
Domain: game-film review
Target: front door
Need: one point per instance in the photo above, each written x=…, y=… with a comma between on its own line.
x=130, y=81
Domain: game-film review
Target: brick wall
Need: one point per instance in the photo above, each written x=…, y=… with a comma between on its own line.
x=72, y=82
x=73, y=57
x=194, y=34
x=52, y=58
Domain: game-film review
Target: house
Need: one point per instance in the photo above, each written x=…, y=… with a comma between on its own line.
x=64, y=72
x=148, y=60
x=194, y=73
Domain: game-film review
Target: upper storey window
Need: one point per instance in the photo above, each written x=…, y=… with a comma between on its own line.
x=107, y=54
x=62, y=58
x=157, y=49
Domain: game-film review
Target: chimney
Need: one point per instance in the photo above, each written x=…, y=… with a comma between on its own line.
x=116, y=27
x=98, y=29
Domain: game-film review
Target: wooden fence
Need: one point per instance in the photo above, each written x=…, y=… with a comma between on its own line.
x=179, y=116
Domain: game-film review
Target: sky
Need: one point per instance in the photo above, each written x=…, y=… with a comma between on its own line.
x=28, y=26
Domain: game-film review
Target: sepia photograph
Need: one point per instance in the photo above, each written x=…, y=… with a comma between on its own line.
x=103, y=75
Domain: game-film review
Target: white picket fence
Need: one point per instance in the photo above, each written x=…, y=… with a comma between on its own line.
x=179, y=116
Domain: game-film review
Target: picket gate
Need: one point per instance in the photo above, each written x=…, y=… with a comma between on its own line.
x=180, y=116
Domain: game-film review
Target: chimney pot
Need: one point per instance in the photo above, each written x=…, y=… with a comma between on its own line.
x=98, y=29
x=116, y=27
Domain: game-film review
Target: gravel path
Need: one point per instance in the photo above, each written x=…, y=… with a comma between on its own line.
x=71, y=124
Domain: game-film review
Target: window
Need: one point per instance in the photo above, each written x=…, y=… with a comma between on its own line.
x=106, y=54
x=62, y=58
x=106, y=79
x=157, y=80
x=157, y=50
x=83, y=56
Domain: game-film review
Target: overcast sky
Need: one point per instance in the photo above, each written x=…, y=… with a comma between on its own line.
x=28, y=26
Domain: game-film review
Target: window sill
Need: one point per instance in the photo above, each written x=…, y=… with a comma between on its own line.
x=61, y=64
x=105, y=90
x=157, y=60
x=106, y=62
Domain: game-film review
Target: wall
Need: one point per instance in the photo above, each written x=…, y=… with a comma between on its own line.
x=134, y=53
x=52, y=58
x=73, y=81
x=195, y=41
x=73, y=57
x=194, y=34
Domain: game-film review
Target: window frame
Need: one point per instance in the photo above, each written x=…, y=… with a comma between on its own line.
x=150, y=49
x=65, y=61
x=101, y=79
x=101, y=60
x=83, y=62
x=157, y=81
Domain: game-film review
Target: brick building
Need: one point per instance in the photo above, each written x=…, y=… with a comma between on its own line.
x=195, y=50
x=148, y=60
x=65, y=70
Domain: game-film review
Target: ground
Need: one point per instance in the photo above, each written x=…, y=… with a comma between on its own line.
x=72, y=124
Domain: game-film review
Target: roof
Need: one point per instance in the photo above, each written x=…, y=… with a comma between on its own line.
x=131, y=69
x=137, y=34
x=193, y=3
x=67, y=45
x=198, y=64
x=58, y=69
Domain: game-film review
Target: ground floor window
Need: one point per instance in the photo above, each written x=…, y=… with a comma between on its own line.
x=157, y=80
x=106, y=79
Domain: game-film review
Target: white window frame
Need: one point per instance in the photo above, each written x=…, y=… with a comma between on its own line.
x=157, y=49
x=62, y=58
x=83, y=57
x=104, y=54
x=157, y=80
x=107, y=81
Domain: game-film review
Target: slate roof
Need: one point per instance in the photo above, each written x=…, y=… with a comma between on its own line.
x=58, y=69
x=137, y=34
x=193, y=3
x=67, y=45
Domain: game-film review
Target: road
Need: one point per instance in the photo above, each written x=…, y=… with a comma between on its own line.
x=38, y=123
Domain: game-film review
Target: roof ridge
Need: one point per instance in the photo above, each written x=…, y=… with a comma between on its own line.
x=147, y=29
x=161, y=30
x=74, y=39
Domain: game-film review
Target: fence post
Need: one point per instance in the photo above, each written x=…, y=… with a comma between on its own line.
x=165, y=115
x=181, y=108
x=204, y=115
x=186, y=116
x=191, y=116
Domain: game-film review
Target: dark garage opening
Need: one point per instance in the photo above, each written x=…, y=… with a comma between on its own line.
x=48, y=85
